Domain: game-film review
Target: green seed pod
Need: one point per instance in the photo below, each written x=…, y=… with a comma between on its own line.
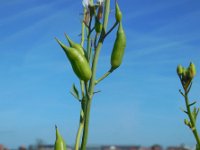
x=118, y=13
x=78, y=62
x=98, y=26
x=59, y=143
x=75, y=45
x=179, y=70
x=191, y=71
x=119, y=47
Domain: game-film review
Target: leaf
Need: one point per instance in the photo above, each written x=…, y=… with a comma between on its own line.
x=75, y=92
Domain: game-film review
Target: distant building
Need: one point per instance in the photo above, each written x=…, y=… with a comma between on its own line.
x=177, y=148
x=94, y=148
x=1, y=147
x=144, y=148
x=117, y=147
x=156, y=147
x=50, y=147
x=22, y=148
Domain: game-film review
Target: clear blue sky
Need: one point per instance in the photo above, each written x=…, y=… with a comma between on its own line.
x=139, y=103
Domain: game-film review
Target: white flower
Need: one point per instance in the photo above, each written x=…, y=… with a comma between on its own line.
x=100, y=1
x=86, y=3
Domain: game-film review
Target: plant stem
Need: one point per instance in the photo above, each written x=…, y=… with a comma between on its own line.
x=81, y=122
x=83, y=29
x=80, y=129
x=86, y=124
x=93, y=78
x=116, y=23
x=104, y=76
x=192, y=120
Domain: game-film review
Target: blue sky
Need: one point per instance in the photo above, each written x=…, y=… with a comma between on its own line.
x=139, y=103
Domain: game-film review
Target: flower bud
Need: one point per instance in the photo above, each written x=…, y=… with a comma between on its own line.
x=179, y=70
x=185, y=74
x=118, y=13
x=98, y=26
x=100, y=12
x=186, y=122
x=191, y=70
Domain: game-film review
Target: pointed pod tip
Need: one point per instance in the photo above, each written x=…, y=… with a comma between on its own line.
x=59, y=42
x=69, y=40
x=66, y=35
x=118, y=13
x=64, y=47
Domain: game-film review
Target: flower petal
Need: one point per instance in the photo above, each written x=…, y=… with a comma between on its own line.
x=85, y=3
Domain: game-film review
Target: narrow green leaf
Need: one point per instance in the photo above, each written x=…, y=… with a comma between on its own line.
x=75, y=92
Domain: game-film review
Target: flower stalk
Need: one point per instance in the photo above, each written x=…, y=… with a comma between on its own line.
x=93, y=46
x=186, y=76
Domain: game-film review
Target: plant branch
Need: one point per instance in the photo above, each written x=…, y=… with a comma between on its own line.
x=80, y=129
x=92, y=80
x=81, y=122
x=104, y=76
x=192, y=119
x=111, y=29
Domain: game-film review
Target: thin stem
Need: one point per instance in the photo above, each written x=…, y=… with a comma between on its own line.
x=111, y=29
x=95, y=40
x=93, y=78
x=104, y=76
x=80, y=129
x=88, y=47
x=83, y=29
x=82, y=87
x=81, y=122
x=106, y=15
x=86, y=124
x=192, y=119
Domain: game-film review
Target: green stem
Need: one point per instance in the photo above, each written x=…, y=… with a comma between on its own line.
x=109, y=31
x=86, y=124
x=88, y=48
x=81, y=122
x=192, y=120
x=93, y=78
x=80, y=129
x=83, y=29
x=104, y=76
